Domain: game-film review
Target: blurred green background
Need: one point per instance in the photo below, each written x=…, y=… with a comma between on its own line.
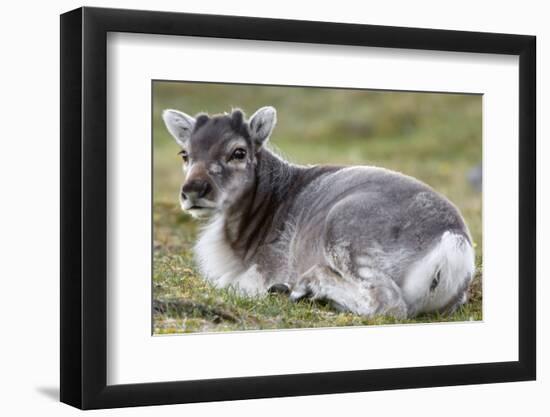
x=434, y=137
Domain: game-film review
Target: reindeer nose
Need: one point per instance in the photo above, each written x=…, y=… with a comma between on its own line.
x=195, y=189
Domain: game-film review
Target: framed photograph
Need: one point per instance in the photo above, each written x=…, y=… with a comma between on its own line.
x=256, y=208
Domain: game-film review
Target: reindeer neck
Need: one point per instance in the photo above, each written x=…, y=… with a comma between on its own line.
x=249, y=222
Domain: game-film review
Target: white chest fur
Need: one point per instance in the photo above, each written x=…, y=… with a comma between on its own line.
x=220, y=265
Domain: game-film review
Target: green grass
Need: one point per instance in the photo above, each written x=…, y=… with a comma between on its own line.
x=434, y=137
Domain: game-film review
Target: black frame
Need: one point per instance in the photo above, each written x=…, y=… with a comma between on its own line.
x=84, y=208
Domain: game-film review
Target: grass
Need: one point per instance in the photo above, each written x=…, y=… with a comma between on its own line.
x=434, y=137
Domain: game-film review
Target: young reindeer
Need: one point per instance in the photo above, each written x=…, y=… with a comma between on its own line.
x=366, y=239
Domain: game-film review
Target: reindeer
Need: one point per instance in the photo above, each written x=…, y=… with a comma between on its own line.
x=368, y=240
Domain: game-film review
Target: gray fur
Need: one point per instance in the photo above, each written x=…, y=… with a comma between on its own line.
x=179, y=124
x=349, y=235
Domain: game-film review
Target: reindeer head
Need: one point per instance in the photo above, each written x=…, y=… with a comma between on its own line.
x=219, y=156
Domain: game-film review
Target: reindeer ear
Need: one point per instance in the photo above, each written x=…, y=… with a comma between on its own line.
x=262, y=123
x=179, y=124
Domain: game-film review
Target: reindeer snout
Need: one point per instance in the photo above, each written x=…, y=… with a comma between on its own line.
x=196, y=189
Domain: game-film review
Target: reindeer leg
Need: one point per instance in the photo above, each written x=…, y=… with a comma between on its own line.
x=366, y=297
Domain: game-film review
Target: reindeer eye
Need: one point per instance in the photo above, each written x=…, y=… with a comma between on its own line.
x=183, y=155
x=238, y=154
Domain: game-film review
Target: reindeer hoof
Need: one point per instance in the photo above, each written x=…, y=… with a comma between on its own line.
x=279, y=289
